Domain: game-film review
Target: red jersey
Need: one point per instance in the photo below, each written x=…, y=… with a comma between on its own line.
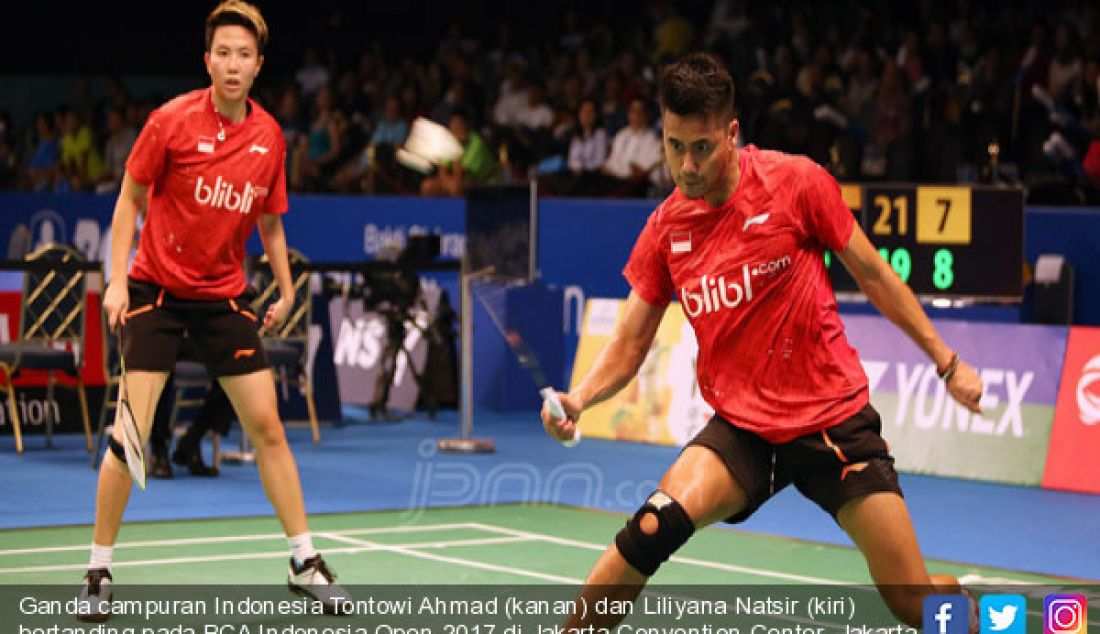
x=750, y=276
x=207, y=189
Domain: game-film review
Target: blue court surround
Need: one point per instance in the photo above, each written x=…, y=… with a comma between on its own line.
x=370, y=466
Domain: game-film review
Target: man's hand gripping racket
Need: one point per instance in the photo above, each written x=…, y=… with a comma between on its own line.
x=558, y=423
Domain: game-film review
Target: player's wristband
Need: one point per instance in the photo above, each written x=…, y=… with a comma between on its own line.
x=951, y=367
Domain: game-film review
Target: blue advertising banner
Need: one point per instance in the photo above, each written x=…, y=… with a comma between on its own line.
x=82, y=220
x=349, y=228
x=928, y=432
x=583, y=248
x=332, y=228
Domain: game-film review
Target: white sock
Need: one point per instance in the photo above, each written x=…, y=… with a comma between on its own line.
x=301, y=547
x=101, y=556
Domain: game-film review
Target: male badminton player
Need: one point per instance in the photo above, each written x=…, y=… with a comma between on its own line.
x=740, y=244
x=211, y=163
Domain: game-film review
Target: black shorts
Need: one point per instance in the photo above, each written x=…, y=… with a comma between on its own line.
x=223, y=334
x=830, y=467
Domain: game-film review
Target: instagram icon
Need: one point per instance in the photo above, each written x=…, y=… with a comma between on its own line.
x=1065, y=614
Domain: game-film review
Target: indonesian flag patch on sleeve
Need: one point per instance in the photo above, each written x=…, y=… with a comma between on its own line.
x=681, y=241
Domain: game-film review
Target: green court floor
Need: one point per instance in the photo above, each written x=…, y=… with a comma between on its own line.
x=509, y=544
x=540, y=550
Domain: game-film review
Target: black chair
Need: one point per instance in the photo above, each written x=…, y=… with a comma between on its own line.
x=51, y=329
x=188, y=377
x=288, y=346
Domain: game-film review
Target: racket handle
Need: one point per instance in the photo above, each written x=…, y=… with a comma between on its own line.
x=550, y=397
x=575, y=440
x=554, y=404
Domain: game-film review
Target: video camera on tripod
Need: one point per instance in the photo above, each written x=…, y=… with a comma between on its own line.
x=390, y=287
x=391, y=280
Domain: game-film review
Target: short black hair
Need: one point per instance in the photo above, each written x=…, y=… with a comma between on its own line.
x=697, y=83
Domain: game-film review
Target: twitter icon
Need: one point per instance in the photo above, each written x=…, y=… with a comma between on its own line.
x=1003, y=614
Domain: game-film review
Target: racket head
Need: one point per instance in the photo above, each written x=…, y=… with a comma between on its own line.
x=130, y=437
x=413, y=161
x=492, y=302
x=432, y=141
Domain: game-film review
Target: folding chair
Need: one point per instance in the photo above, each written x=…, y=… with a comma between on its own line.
x=51, y=330
x=288, y=346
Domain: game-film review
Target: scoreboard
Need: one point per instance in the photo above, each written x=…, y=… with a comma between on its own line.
x=955, y=242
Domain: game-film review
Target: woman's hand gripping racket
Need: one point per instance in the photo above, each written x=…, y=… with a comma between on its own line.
x=130, y=436
x=492, y=299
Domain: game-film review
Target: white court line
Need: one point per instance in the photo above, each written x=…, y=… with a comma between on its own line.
x=174, y=560
x=281, y=554
x=678, y=559
x=524, y=536
x=513, y=535
x=240, y=538
x=405, y=550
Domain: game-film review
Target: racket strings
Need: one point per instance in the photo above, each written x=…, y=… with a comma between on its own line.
x=493, y=298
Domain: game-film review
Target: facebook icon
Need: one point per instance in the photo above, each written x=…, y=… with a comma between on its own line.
x=946, y=614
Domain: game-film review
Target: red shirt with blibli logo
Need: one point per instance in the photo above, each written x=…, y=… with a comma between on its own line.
x=209, y=180
x=750, y=277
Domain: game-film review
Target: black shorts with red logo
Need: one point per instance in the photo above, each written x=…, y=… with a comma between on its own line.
x=831, y=467
x=223, y=334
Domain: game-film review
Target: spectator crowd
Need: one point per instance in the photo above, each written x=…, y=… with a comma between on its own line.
x=934, y=91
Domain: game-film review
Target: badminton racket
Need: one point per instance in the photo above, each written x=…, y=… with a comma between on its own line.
x=130, y=436
x=492, y=298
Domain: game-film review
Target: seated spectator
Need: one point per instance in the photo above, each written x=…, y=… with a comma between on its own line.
x=531, y=137
x=512, y=97
x=43, y=159
x=535, y=113
x=120, y=139
x=317, y=153
x=389, y=133
x=289, y=116
x=312, y=76
x=475, y=166
x=392, y=127
x=611, y=108
x=635, y=155
x=81, y=164
x=587, y=153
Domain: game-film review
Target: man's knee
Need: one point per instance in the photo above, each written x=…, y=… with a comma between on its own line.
x=659, y=528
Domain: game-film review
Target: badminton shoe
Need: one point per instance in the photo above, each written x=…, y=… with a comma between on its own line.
x=314, y=580
x=94, y=602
